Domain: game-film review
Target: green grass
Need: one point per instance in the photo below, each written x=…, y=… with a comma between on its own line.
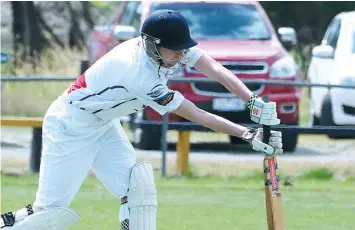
x=33, y=98
x=207, y=203
x=319, y=173
x=30, y=99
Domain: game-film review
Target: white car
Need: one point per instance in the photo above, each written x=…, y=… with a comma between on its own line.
x=333, y=62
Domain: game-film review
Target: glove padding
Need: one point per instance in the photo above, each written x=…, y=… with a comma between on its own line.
x=262, y=112
x=255, y=137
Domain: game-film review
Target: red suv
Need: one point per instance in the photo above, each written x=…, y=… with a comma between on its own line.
x=237, y=34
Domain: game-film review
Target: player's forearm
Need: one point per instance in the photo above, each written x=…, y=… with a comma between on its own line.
x=216, y=123
x=220, y=124
x=213, y=69
x=234, y=84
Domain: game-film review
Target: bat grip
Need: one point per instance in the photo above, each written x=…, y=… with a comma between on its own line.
x=266, y=128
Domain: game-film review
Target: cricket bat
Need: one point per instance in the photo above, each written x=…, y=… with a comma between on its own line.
x=274, y=211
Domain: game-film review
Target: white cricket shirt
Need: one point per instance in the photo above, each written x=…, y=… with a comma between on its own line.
x=125, y=81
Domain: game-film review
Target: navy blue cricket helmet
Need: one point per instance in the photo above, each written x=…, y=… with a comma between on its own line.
x=168, y=29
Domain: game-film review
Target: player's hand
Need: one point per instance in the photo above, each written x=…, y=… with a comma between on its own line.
x=255, y=137
x=262, y=112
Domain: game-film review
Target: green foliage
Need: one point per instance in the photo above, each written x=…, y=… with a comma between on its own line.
x=48, y=55
x=106, y=8
x=302, y=57
x=7, y=69
x=315, y=15
x=104, y=4
x=319, y=174
x=309, y=19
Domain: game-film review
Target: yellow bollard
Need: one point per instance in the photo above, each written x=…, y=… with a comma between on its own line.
x=182, y=153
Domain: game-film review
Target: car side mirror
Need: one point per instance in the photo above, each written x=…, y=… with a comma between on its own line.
x=288, y=37
x=124, y=33
x=323, y=51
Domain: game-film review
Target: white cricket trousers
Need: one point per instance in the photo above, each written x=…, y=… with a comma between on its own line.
x=75, y=141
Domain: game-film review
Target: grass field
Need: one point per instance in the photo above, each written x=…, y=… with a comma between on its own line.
x=207, y=203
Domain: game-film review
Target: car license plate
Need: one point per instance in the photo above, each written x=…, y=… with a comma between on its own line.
x=228, y=104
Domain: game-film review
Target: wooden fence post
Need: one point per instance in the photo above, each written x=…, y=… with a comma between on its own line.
x=182, y=153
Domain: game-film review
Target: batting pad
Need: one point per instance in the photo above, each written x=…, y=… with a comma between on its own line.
x=47, y=219
x=142, y=198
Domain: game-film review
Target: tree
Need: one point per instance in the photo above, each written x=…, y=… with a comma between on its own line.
x=312, y=15
x=28, y=32
x=76, y=37
x=32, y=35
x=309, y=19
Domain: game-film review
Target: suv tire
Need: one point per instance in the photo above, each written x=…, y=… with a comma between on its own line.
x=146, y=138
x=84, y=65
x=326, y=117
x=290, y=138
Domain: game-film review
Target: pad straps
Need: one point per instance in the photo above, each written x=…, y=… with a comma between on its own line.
x=125, y=222
x=9, y=218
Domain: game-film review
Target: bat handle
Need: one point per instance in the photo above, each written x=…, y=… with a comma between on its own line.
x=266, y=128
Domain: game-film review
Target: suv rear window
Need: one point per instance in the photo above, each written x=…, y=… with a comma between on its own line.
x=221, y=20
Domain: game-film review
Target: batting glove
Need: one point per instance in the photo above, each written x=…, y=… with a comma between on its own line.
x=262, y=112
x=255, y=136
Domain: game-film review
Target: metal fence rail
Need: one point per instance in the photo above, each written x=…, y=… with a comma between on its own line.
x=193, y=79
x=319, y=129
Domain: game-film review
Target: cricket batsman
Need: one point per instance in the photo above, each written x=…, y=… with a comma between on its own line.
x=82, y=130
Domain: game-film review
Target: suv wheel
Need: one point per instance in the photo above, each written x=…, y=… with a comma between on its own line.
x=290, y=139
x=315, y=121
x=326, y=117
x=146, y=138
x=84, y=65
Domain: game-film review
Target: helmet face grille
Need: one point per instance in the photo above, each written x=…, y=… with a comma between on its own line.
x=147, y=37
x=151, y=47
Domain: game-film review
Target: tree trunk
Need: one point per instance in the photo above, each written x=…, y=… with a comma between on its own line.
x=48, y=29
x=76, y=37
x=27, y=33
x=17, y=31
x=87, y=14
x=38, y=41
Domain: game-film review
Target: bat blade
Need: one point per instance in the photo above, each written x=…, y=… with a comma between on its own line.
x=274, y=210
